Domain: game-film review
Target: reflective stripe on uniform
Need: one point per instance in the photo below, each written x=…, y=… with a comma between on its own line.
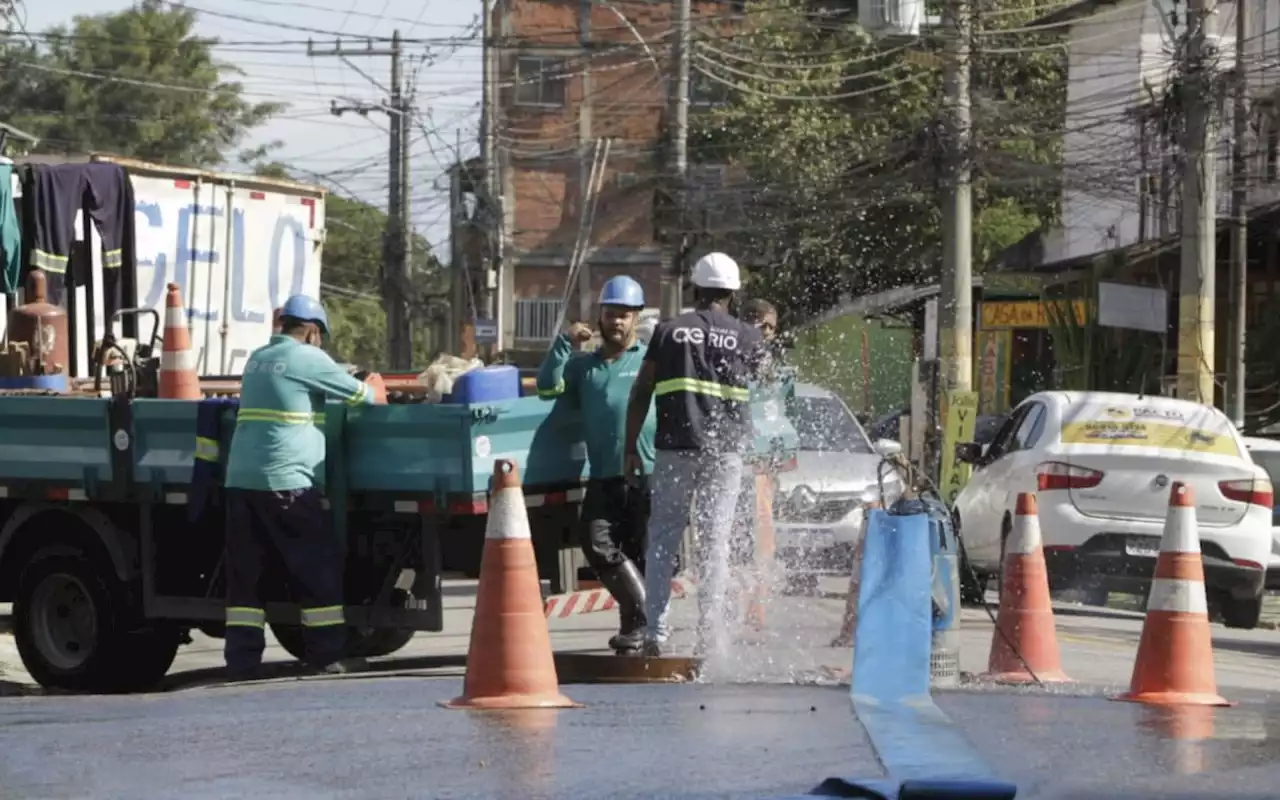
x=358, y=398
x=246, y=617
x=48, y=261
x=702, y=387
x=206, y=449
x=323, y=617
x=112, y=259
x=283, y=417
x=555, y=392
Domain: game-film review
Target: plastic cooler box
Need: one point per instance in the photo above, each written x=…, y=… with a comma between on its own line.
x=485, y=385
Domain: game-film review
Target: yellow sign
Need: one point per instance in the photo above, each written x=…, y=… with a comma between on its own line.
x=1023, y=314
x=962, y=412
x=994, y=357
x=1149, y=434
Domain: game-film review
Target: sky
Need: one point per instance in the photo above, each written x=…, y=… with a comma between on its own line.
x=348, y=154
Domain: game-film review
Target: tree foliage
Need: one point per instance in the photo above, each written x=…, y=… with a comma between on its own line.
x=837, y=146
x=352, y=279
x=136, y=83
x=352, y=266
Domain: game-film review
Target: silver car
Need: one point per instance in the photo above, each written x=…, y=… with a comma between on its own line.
x=819, y=506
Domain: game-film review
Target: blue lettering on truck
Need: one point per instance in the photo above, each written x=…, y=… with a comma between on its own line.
x=153, y=296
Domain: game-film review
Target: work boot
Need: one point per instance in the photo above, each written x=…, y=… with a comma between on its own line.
x=627, y=587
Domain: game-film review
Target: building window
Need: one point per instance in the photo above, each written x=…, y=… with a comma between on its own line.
x=536, y=318
x=540, y=81
x=706, y=92
x=714, y=204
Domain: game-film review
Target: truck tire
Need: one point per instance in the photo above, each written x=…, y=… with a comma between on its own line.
x=75, y=631
x=1243, y=614
x=360, y=643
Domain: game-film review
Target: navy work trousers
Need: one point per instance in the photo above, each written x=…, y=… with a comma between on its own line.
x=615, y=519
x=296, y=529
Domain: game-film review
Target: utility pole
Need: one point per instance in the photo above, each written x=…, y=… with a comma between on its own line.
x=1199, y=202
x=496, y=225
x=673, y=243
x=586, y=163
x=955, y=310
x=397, y=240
x=1239, y=228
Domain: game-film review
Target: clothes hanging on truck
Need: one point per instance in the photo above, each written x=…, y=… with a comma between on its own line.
x=10, y=235
x=206, y=474
x=52, y=194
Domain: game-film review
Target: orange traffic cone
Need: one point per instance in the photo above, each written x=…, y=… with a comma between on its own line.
x=1024, y=646
x=850, y=622
x=509, y=662
x=764, y=550
x=179, y=379
x=1175, y=655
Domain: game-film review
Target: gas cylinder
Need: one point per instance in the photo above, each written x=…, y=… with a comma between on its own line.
x=43, y=326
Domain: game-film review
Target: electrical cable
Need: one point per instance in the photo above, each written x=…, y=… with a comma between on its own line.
x=912, y=477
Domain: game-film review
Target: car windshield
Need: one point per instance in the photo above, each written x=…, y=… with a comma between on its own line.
x=823, y=423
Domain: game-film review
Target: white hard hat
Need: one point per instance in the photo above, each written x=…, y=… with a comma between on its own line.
x=717, y=271
x=644, y=329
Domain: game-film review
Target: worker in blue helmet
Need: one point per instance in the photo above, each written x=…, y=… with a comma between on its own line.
x=275, y=474
x=615, y=509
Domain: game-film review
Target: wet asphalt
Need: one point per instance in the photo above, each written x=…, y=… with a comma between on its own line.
x=387, y=737
x=754, y=734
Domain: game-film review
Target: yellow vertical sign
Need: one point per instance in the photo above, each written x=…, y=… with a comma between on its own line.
x=962, y=412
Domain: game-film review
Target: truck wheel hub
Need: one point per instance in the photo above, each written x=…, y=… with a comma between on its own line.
x=63, y=621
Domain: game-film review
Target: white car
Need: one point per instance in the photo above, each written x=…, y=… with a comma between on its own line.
x=1102, y=465
x=819, y=506
x=1266, y=454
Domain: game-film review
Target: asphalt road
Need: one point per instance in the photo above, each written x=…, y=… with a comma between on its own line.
x=776, y=722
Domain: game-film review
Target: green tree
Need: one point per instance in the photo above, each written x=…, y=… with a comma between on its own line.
x=352, y=278
x=136, y=83
x=835, y=140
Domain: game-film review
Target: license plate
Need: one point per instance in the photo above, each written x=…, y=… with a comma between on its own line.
x=1142, y=547
x=806, y=539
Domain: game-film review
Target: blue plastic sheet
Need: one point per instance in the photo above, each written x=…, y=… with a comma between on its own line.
x=923, y=754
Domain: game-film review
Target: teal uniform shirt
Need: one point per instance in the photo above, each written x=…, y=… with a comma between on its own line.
x=599, y=390
x=10, y=236
x=279, y=441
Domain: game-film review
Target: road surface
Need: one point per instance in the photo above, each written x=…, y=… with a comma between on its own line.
x=776, y=723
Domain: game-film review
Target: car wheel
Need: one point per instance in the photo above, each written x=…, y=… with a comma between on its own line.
x=1094, y=594
x=74, y=631
x=1240, y=613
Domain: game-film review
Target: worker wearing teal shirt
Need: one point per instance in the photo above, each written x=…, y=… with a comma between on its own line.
x=274, y=504
x=615, y=510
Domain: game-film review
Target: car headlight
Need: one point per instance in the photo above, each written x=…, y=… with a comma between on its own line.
x=803, y=498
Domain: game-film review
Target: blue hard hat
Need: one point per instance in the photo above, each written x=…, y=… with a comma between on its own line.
x=622, y=291
x=306, y=309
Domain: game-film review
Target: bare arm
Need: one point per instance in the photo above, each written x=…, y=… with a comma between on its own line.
x=638, y=406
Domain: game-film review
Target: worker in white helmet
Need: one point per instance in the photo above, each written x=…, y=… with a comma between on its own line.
x=696, y=370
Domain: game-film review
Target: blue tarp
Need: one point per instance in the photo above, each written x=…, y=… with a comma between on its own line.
x=924, y=755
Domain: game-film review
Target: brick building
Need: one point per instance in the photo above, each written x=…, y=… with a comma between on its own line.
x=571, y=72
